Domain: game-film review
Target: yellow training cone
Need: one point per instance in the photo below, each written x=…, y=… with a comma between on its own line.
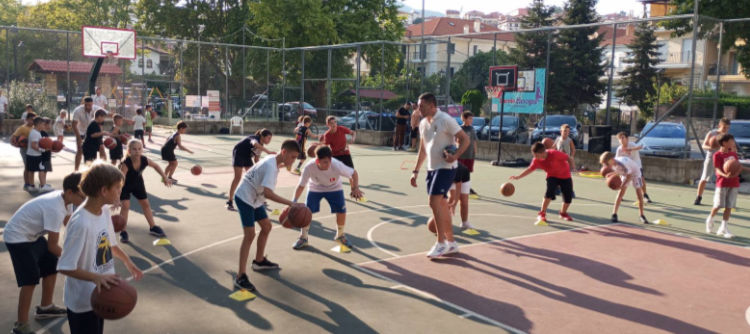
x=162, y=242
x=541, y=223
x=474, y=196
x=242, y=295
x=275, y=212
x=470, y=231
x=341, y=249
x=661, y=222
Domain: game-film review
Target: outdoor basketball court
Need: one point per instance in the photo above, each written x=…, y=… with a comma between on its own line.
x=583, y=276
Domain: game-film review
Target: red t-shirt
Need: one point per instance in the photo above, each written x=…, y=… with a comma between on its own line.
x=724, y=182
x=556, y=164
x=337, y=140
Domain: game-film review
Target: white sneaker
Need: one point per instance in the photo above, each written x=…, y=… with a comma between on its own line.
x=437, y=250
x=723, y=231
x=709, y=224
x=46, y=188
x=452, y=248
x=466, y=226
x=32, y=189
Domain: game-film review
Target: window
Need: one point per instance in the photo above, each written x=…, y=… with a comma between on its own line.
x=149, y=63
x=451, y=48
x=452, y=71
x=140, y=62
x=687, y=50
x=422, y=51
x=733, y=66
x=476, y=47
x=663, y=52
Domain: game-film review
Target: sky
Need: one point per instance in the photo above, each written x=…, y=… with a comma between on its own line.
x=488, y=6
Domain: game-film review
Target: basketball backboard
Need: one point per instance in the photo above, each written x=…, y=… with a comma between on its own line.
x=504, y=76
x=102, y=42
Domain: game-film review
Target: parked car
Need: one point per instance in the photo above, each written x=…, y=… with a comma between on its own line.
x=740, y=129
x=667, y=139
x=351, y=118
x=369, y=120
x=291, y=110
x=552, y=129
x=514, y=130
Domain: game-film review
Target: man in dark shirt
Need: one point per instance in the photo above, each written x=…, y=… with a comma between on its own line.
x=398, y=135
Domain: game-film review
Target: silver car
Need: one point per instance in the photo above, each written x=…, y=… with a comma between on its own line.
x=666, y=139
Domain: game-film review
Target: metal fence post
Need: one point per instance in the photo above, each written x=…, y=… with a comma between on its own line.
x=328, y=83
x=382, y=85
x=302, y=83
x=359, y=56
x=611, y=74
x=226, y=79
x=718, y=76
x=67, y=74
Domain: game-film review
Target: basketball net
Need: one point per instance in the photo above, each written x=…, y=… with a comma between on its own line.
x=494, y=91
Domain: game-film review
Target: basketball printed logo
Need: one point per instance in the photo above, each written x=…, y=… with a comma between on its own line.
x=103, y=252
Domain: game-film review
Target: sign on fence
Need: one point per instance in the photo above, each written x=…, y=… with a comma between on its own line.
x=526, y=101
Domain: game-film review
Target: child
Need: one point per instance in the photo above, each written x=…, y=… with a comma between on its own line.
x=629, y=172
x=257, y=185
x=459, y=193
x=631, y=151
x=708, y=162
x=244, y=155
x=132, y=167
x=467, y=159
x=323, y=175
x=138, y=122
x=47, y=154
x=727, y=186
x=35, y=257
x=60, y=126
x=565, y=144
x=150, y=117
x=89, y=247
x=167, y=151
x=94, y=134
x=115, y=154
x=34, y=159
x=302, y=132
x=557, y=166
x=15, y=140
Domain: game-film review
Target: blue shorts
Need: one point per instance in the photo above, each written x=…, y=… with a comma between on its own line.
x=248, y=214
x=439, y=181
x=335, y=200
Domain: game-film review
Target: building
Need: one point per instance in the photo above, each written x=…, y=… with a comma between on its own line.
x=153, y=61
x=54, y=75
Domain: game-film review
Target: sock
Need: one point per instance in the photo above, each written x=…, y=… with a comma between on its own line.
x=723, y=226
x=709, y=219
x=339, y=230
x=304, y=231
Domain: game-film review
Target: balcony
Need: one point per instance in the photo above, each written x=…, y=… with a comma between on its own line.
x=675, y=60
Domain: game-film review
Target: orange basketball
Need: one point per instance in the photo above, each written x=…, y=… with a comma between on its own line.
x=22, y=141
x=299, y=215
x=614, y=181
x=732, y=167
x=124, y=138
x=57, y=146
x=605, y=170
x=116, y=302
x=110, y=143
x=548, y=143
x=507, y=189
x=45, y=143
x=431, y=226
x=196, y=170
x=283, y=218
x=118, y=223
x=311, y=150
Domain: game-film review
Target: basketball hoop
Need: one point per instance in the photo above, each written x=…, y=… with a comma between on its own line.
x=493, y=91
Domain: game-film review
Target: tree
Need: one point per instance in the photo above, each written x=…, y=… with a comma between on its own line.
x=531, y=49
x=72, y=14
x=474, y=72
x=638, y=78
x=474, y=98
x=577, y=82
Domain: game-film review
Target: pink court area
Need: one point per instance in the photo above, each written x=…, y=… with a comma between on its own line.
x=606, y=279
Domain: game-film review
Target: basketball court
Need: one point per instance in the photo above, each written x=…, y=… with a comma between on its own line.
x=582, y=276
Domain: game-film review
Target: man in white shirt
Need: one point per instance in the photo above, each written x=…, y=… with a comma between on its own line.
x=83, y=115
x=3, y=109
x=26, y=111
x=438, y=132
x=99, y=99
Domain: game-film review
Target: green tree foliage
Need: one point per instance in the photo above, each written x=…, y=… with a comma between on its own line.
x=531, y=50
x=638, y=78
x=474, y=98
x=72, y=14
x=475, y=72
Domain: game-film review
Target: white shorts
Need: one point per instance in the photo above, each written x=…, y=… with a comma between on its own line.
x=725, y=197
x=465, y=187
x=708, y=166
x=636, y=180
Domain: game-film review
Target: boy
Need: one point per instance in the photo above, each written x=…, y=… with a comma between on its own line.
x=89, y=247
x=302, y=132
x=34, y=157
x=256, y=186
x=323, y=175
x=60, y=126
x=557, y=166
x=467, y=159
x=115, y=154
x=335, y=138
x=46, y=154
x=35, y=257
x=167, y=151
x=150, y=117
x=459, y=193
x=727, y=186
x=138, y=122
x=631, y=151
x=708, y=166
x=629, y=172
x=22, y=132
x=94, y=134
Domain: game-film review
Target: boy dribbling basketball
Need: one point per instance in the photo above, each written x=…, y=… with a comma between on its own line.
x=167, y=151
x=630, y=173
x=727, y=186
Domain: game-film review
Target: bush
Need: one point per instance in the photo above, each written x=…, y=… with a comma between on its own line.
x=22, y=93
x=475, y=98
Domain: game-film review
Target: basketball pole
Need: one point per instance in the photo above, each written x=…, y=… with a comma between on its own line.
x=499, y=161
x=94, y=75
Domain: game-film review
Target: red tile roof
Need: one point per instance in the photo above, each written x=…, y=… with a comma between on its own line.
x=43, y=65
x=625, y=35
x=449, y=26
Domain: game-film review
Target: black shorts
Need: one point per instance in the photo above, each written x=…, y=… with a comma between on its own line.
x=90, y=154
x=242, y=158
x=31, y=261
x=462, y=174
x=168, y=155
x=137, y=188
x=566, y=187
x=37, y=164
x=138, y=134
x=346, y=159
x=414, y=133
x=116, y=153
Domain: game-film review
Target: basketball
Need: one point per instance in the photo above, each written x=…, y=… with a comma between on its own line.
x=196, y=170
x=45, y=143
x=114, y=303
x=605, y=170
x=548, y=143
x=57, y=146
x=22, y=141
x=311, y=150
x=450, y=149
x=118, y=223
x=299, y=215
x=283, y=218
x=613, y=181
x=124, y=138
x=732, y=167
x=431, y=226
x=507, y=189
x=110, y=143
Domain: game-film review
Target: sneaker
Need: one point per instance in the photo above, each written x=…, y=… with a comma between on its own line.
x=709, y=225
x=565, y=216
x=644, y=220
x=31, y=188
x=723, y=231
x=124, y=238
x=296, y=171
x=697, y=201
x=46, y=188
x=648, y=199
x=52, y=311
x=157, y=232
x=230, y=206
x=466, y=226
x=472, y=192
x=344, y=241
x=300, y=243
x=437, y=250
x=150, y=141
x=19, y=328
x=264, y=265
x=614, y=217
x=242, y=282
x=174, y=181
x=452, y=248
x=541, y=216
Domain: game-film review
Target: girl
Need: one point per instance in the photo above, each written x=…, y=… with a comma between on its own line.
x=244, y=156
x=167, y=151
x=302, y=132
x=132, y=167
x=115, y=154
x=60, y=126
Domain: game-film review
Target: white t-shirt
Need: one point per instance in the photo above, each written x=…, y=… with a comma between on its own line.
x=261, y=175
x=627, y=166
x=34, y=136
x=36, y=217
x=59, y=127
x=88, y=246
x=84, y=118
x=138, y=122
x=3, y=103
x=100, y=100
x=324, y=180
x=635, y=155
x=23, y=115
x=436, y=135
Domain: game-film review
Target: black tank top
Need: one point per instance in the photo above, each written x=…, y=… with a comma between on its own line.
x=134, y=175
x=171, y=143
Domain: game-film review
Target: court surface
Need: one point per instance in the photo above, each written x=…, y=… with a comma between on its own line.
x=569, y=277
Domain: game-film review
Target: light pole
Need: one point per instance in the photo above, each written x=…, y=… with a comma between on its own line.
x=200, y=96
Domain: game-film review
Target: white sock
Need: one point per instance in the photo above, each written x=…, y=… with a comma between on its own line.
x=304, y=232
x=709, y=220
x=339, y=231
